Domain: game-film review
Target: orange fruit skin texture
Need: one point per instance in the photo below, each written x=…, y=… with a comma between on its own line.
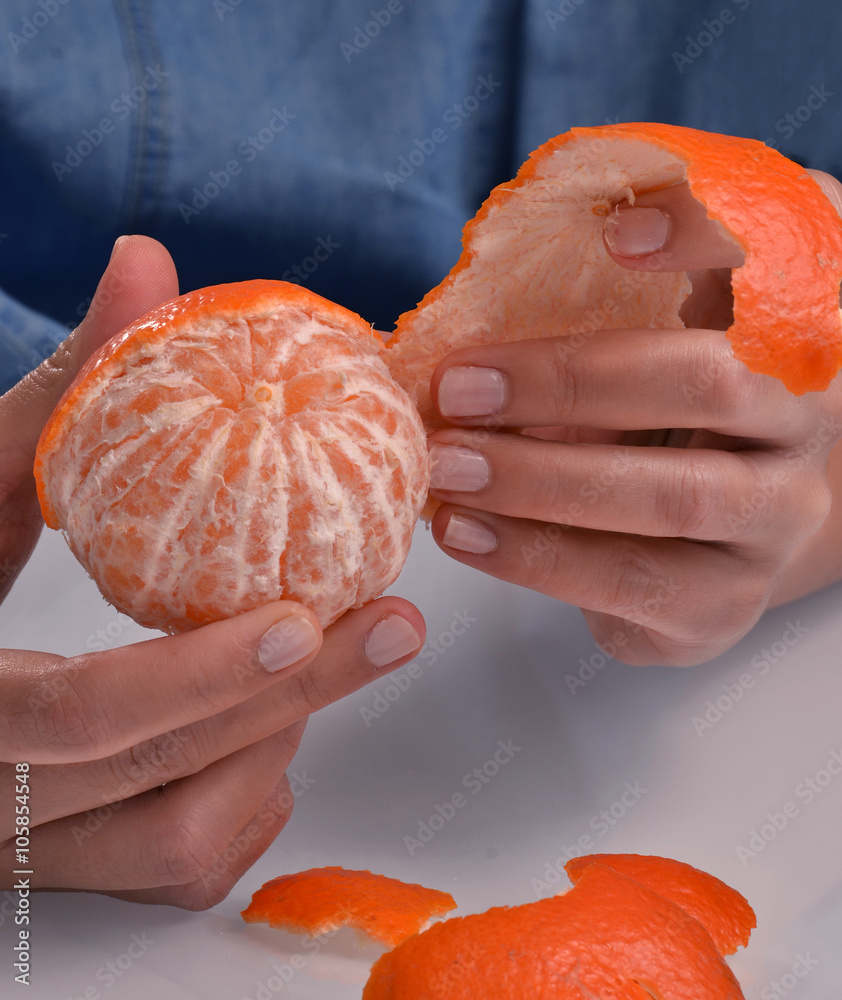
x=323, y=899
x=534, y=263
x=610, y=936
x=724, y=913
x=241, y=444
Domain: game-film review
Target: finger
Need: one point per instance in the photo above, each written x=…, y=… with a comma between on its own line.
x=668, y=230
x=830, y=186
x=621, y=379
x=701, y=493
x=361, y=646
x=256, y=837
x=97, y=704
x=174, y=835
x=645, y=583
x=139, y=275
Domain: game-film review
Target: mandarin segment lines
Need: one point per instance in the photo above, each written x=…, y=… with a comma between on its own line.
x=244, y=459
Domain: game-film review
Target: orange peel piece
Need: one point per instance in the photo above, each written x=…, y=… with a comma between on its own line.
x=324, y=899
x=609, y=936
x=724, y=912
x=534, y=265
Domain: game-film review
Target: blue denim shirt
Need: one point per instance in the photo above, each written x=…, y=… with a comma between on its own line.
x=344, y=143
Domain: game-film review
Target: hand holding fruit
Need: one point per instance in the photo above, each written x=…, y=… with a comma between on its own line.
x=148, y=762
x=668, y=488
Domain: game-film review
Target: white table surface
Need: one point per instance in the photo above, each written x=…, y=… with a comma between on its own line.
x=697, y=794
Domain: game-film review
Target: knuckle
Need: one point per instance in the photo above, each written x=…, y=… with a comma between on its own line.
x=567, y=376
x=726, y=616
x=778, y=502
x=635, y=584
x=643, y=647
x=550, y=498
x=183, y=852
x=63, y=720
x=201, y=691
x=547, y=564
x=817, y=502
x=309, y=695
x=690, y=505
x=276, y=811
x=629, y=585
x=735, y=393
x=159, y=759
x=729, y=619
x=287, y=741
x=206, y=893
x=206, y=863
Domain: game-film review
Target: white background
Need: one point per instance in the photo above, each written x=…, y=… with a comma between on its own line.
x=699, y=792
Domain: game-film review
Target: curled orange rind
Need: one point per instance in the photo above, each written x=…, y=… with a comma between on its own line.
x=534, y=264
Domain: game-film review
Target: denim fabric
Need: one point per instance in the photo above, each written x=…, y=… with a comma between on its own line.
x=344, y=143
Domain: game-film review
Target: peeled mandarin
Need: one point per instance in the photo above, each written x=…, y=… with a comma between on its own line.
x=242, y=444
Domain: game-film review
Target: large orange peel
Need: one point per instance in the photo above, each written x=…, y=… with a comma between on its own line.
x=609, y=936
x=534, y=264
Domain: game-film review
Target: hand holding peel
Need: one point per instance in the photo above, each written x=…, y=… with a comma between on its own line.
x=657, y=483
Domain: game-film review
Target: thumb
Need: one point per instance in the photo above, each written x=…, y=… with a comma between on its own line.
x=140, y=275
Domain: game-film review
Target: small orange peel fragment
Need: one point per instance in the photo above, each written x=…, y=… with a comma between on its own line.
x=321, y=900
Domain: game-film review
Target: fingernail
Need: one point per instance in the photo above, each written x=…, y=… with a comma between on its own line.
x=469, y=535
x=457, y=468
x=471, y=392
x=391, y=639
x=117, y=242
x=286, y=642
x=635, y=232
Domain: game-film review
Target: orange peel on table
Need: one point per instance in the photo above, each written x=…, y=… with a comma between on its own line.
x=322, y=900
x=251, y=442
x=723, y=912
x=534, y=263
x=632, y=927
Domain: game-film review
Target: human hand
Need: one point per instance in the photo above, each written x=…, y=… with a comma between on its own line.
x=157, y=770
x=655, y=482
